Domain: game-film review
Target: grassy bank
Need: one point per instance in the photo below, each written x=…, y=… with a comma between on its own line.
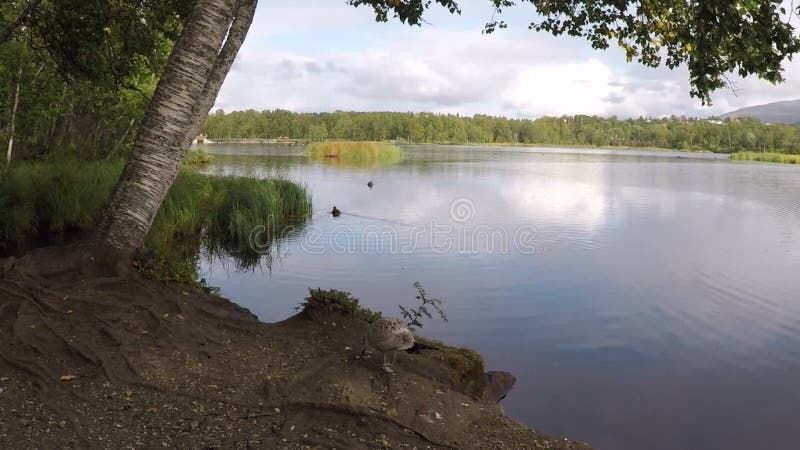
x=782, y=158
x=354, y=154
x=212, y=212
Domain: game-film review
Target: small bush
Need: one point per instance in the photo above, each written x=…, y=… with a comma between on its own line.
x=321, y=303
x=414, y=315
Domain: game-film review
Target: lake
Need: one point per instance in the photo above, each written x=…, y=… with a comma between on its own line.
x=643, y=300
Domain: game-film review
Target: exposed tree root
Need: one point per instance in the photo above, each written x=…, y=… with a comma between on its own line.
x=76, y=325
x=50, y=329
x=117, y=355
x=359, y=412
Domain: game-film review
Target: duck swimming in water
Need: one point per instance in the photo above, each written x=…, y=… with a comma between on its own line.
x=335, y=212
x=370, y=184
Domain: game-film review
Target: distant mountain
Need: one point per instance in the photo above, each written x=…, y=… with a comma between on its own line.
x=778, y=112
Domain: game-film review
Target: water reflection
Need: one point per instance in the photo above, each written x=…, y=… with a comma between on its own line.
x=660, y=309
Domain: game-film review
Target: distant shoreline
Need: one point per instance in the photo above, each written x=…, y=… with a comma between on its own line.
x=274, y=141
x=290, y=142
x=769, y=157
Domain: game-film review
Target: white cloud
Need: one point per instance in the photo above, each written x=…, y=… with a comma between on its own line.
x=582, y=88
x=325, y=56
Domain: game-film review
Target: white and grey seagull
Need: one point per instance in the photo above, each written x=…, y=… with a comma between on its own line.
x=389, y=335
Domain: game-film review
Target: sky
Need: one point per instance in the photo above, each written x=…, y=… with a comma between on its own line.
x=323, y=55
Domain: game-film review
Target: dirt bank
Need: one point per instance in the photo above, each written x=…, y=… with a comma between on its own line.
x=91, y=359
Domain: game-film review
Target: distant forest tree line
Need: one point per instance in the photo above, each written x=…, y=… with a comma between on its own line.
x=677, y=133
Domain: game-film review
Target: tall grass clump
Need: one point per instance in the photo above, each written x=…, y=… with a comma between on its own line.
x=216, y=213
x=248, y=214
x=783, y=158
x=354, y=154
x=171, y=248
x=52, y=197
x=197, y=158
x=224, y=215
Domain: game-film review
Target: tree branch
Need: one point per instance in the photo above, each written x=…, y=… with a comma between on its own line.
x=23, y=16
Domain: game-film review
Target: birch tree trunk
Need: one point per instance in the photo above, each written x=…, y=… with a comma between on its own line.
x=12, y=127
x=197, y=66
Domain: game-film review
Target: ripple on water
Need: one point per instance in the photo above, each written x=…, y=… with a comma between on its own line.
x=788, y=213
x=729, y=321
x=659, y=308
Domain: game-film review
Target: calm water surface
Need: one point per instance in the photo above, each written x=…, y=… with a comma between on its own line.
x=643, y=300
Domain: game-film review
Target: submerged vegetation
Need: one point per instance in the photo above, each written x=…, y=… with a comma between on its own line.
x=354, y=154
x=766, y=157
x=217, y=213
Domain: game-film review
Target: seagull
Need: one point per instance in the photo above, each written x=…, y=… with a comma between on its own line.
x=389, y=335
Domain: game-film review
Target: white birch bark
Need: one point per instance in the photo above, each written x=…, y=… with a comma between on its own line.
x=13, y=126
x=199, y=62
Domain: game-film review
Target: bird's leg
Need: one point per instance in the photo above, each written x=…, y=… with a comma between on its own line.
x=394, y=356
x=363, y=346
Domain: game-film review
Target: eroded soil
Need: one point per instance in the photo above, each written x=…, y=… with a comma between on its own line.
x=92, y=359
